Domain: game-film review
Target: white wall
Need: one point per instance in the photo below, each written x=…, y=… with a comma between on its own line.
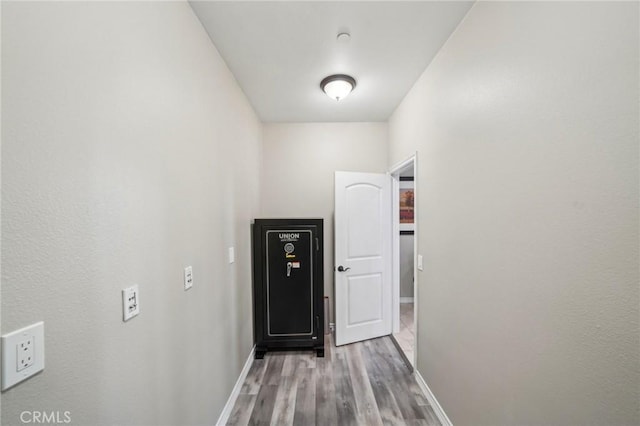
x=526, y=124
x=406, y=265
x=128, y=153
x=299, y=162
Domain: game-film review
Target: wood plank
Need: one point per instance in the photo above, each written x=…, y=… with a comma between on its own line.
x=251, y=385
x=307, y=359
x=285, y=403
x=326, y=410
x=305, y=410
x=387, y=405
x=242, y=409
x=367, y=408
x=263, y=407
x=417, y=422
x=345, y=400
x=402, y=370
x=401, y=379
x=273, y=373
x=290, y=363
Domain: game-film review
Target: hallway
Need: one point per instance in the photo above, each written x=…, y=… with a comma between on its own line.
x=141, y=141
x=365, y=383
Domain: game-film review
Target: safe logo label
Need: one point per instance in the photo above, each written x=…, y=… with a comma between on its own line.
x=289, y=236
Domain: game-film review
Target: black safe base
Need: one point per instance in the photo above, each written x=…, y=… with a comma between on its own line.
x=260, y=353
x=288, y=285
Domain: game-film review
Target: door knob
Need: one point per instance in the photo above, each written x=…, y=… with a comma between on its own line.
x=342, y=269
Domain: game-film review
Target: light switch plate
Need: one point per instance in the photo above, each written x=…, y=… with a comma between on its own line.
x=420, y=265
x=232, y=255
x=130, y=302
x=188, y=277
x=22, y=354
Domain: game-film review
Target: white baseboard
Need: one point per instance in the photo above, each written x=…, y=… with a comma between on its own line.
x=226, y=411
x=406, y=300
x=442, y=416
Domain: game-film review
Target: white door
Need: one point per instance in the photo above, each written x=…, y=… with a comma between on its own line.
x=362, y=256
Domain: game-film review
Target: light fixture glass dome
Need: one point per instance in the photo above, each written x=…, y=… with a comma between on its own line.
x=338, y=86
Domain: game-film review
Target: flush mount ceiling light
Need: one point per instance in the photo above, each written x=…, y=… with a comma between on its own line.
x=338, y=86
x=343, y=37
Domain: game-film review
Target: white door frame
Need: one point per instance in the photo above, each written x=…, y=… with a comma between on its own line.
x=395, y=247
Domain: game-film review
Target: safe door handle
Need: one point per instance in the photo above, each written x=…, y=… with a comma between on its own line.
x=343, y=269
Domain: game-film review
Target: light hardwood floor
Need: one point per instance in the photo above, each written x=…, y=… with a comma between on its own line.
x=365, y=383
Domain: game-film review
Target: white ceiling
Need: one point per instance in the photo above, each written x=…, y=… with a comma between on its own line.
x=280, y=50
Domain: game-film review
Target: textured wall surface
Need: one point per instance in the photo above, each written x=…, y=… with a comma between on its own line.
x=128, y=152
x=526, y=124
x=299, y=163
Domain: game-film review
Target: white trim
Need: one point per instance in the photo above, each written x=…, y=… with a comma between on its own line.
x=395, y=172
x=228, y=407
x=437, y=408
x=406, y=299
x=416, y=277
x=395, y=252
x=404, y=163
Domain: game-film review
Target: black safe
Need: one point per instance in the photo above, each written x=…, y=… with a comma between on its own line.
x=288, y=285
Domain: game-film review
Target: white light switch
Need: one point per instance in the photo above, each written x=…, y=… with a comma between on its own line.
x=420, y=265
x=130, y=302
x=22, y=354
x=232, y=255
x=188, y=277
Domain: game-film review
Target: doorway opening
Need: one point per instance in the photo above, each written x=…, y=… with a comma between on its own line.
x=405, y=300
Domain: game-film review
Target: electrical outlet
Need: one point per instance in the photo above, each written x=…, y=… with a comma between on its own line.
x=232, y=255
x=22, y=354
x=420, y=265
x=188, y=277
x=130, y=302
